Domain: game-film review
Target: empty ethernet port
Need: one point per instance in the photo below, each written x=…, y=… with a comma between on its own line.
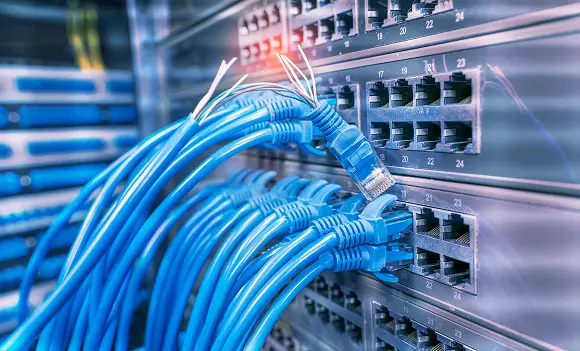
x=338, y=323
x=309, y=306
x=352, y=302
x=253, y=23
x=427, y=340
x=354, y=332
x=379, y=133
x=345, y=98
x=401, y=93
x=427, y=262
x=336, y=294
x=427, y=92
x=399, y=11
x=377, y=11
x=310, y=34
x=322, y=313
x=297, y=36
x=428, y=134
x=326, y=29
x=309, y=5
x=384, y=320
x=295, y=7
x=263, y=20
x=382, y=345
x=402, y=134
x=344, y=23
x=321, y=287
x=378, y=95
x=426, y=223
x=421, y=9
x=454, y=272
x=454, y=229
x=457, y=135
x=274, y=15
x=405, y=331
x=457, y=90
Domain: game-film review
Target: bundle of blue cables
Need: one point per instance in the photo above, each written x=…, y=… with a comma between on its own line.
x=226, y=224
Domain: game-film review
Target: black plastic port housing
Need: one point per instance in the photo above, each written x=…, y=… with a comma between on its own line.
x=401, y=93
x=344, y=23
x=354, y=332
x=379, y=134
x=321, y=286
x=297, y=36
x=384, y=320
x=457, y=90
x=295, y=7
x=377, y=12
x=402, y=134
x=382, y=345
x=326, y=28
x=345, y=98
x=336, y=294
x=309, y=306
x=428, y=262
x=426, y=223
x=323, y=313
x=275, y=15
x=427, y=134
x=338, y=323
x=310, y=5
x=454, y=272
x=399, y=10
x=310, y=34
x=263, y=20
x=457, y=135
x=353, y=303
x=427, y=92
x=378, y=95
x=404, y=330
x=454, y=229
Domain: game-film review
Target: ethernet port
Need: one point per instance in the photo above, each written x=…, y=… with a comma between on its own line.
x=338, y=323
x=421, y=9
x=276, y=44
x=379, y=134
x=457, y=90
x=345, y=98
x=275, y=15
x=428, y=135
x=243, y=28
x=295, y=7
x=427, y=339
x=399, y=11
x=309, y=5
x=353, y=303
x=322, y=287
x=457, y=135
x=354, y=332
x=377, y=12
x=336, y=294
x=401, y=93
x=384, y=320
x=454, y=272
x=402, y=134
x=381, y=345
x=309, y=306
x=324, y=2
x=297, y=36
x=378, y=95
x=265, y=48
x=426, y=223
x=344, y=23
x=427, y=262
x=326, y=29
x=322, y=313
x=253, y=23
x=310, y=34
x=454, y=229
x=427, y=92
x=405, y=331
x=263, y=20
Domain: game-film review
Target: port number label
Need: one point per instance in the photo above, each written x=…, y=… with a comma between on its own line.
x=429, y=284
x=461, y=62
x=330, y=81
x=347, y=44
x=406, y=309
x=457, y=202
x=347, y=78
x=431, y=161
x=404, y=70
x=313, y=52
x=459, y=16
x=429, y=24
x=429, y=197
x=403, y=194
x=458, y=334
x=457, y=295
x=381, y=73
x=383, y=157
x=405, y=159
x=459, y=164
x=402, y=30
x=430, y=321
x=329, y=48
x=379, y=35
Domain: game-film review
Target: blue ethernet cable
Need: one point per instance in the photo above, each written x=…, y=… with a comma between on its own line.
x=282, y=132
x=248, y=217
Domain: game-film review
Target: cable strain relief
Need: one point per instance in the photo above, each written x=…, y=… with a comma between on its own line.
x=326, y=119
x=349, y=259
x=281, y=210
x=240, y=197
x=281, y=110
x=284, y=132
x=268, y=207
x=350, y=234
x=324, y=224
x=262, y=199
x=278, y=208
x=255, y=127
x=300, y=218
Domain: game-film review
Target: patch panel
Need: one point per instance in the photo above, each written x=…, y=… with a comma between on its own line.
x=459, y=272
